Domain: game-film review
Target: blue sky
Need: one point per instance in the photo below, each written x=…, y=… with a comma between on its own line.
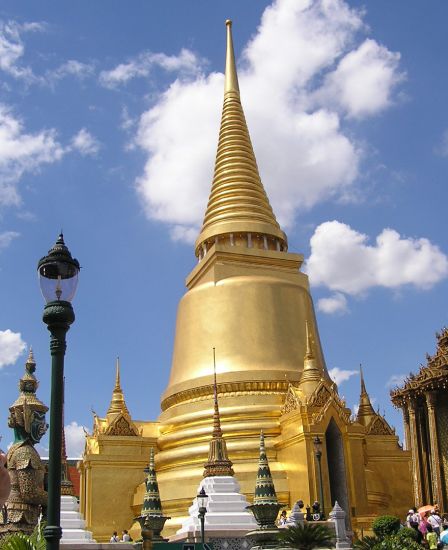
x=109, y=116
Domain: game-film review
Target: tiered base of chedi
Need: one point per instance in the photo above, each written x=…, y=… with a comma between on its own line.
x=227, y=514
x=73, y=524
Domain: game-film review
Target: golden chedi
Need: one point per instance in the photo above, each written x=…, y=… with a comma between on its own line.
x=248, y=299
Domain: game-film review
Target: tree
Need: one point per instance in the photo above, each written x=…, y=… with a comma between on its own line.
x=307, y=536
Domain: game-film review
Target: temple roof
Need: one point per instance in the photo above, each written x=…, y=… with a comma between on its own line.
x=238, y=202
x=432, y=376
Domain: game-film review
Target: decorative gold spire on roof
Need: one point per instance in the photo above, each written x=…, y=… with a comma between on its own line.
x=238, y=203
x=218, y=463
x=117, y=404
x=365, y=412
x=311, y=374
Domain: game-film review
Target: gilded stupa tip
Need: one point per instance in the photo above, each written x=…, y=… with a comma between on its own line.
x=231, y=77
x=311, y=374
x=117, y=404
x=117, y=375
x=309, y=342
x=365, y=412
x=363, y=384
x=238, y=205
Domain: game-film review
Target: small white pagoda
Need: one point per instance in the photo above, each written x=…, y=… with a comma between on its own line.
x=226, y=508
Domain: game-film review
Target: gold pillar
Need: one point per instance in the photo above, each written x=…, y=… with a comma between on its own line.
x=414, y=446
x=436, y=475
x=407, y=432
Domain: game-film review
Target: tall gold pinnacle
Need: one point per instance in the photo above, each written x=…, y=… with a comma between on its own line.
x=365, y=412
x=117, y=404
x=238, y=203
x=218, y=463
x=311, y=374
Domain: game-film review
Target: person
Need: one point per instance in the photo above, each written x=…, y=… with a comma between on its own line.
x=423, y=525
x=431, y=538
x=114, y=537
x=282, y=519
x=435, y=521
x=412, y=519
x=126, y=537
x=5, y=480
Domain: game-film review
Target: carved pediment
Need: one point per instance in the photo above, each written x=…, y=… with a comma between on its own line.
x=321, y=397
x=379, y=426
x=292, y=402
x=324, y=397
x=122, y=426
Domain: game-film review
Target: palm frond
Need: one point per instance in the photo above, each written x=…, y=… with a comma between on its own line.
x=307, y=536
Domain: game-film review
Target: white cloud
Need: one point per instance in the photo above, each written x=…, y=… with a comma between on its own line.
x=11, y=347
x=22, y=152
x=341, y=375
x=7, y=237
x=337, y=303
x=85, y=143
x=12, y=48
x=74, y=439
x=343, y=260
x=141, y=66
x=303, y=153
x=363, y=81
x=396, y=380
x=73, y=68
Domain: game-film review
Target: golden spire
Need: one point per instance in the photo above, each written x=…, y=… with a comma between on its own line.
x=311, y=374
x=117, y=404
x=218, y=463
x=238, y=203
x=365, y=412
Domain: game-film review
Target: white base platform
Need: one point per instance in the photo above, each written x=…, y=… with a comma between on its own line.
x=226, y=510
x=73, y=524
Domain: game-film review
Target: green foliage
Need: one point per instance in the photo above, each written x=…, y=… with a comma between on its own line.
x=395, y=542
x=367, y=543
x=20, y=541
x=407, y=533
x=307, y=536
x=385, y=525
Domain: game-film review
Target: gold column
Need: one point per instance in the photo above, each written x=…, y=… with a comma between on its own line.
x=414, y=446
x=407, y=432
x=436, y=477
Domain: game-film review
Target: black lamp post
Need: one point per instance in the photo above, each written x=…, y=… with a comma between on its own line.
x=202, y=504
x=317, y=442
x=58, y=277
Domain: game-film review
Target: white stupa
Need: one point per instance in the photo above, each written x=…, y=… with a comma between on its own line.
x=72, y=523
x=226, y=514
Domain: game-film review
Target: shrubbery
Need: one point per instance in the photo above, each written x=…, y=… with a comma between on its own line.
x=385, y=525
x=389, y=536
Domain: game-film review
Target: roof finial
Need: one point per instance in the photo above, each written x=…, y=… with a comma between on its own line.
x=363, y=384
x=365, y=412
x=311, y=374
x=217, y=432
x=309, y=343
x=117, y=374
x=117, y=404
x=231, y=77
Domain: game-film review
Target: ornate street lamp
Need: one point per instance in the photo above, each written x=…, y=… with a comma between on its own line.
x=202, y=504
x=58, y=278
x=317, y=442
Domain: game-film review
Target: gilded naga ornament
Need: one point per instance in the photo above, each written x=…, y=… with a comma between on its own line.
x=27, y=419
